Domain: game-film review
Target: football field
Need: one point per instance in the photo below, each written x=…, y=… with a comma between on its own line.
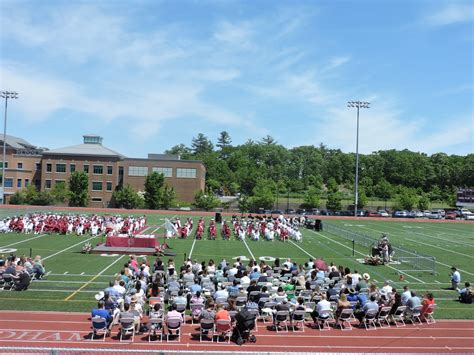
x=74, y=278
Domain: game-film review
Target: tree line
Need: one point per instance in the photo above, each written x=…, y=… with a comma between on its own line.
x=258, y=170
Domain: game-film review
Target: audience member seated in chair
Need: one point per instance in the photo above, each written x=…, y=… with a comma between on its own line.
x=128, y=314
x=323, y=309
x=371, y=306
x=101, y=312
x=427, y=301
x=174, y=320
x=22, y=280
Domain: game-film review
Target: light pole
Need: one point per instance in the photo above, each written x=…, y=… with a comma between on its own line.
x=6, y=95
x=359, y=105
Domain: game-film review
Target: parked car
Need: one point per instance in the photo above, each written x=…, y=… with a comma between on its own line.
x=277, y=212
x=400, y=214
x=415, y=214
x=314, y=212
x=290, y=211
x=469, y=216
x=426, y=213
x=463, y=212
x=301, y=211
x=372, y=214
x=451, y=215
x=383, y=213
x=435, y=215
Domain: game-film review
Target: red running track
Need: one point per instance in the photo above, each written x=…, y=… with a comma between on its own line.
x=72, y=330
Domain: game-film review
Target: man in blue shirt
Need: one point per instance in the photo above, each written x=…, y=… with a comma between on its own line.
x=112, y=291
x=254, y=275
x=100, y=311
x=233, y=289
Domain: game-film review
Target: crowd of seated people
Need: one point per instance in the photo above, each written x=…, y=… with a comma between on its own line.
x=40, y=223
x=16, y=273
x=217, y=291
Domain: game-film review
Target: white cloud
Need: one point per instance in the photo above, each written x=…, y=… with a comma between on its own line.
x=235, y=35
x=336, y=62
x=451, y=14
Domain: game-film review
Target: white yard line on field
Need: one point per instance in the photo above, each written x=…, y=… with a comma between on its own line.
x=446, y=250
x=251, y=254
x=22, y=241
x=304, y=251
x=91, y=280
x=358, y=252
x=192, y=248
x=72, y=246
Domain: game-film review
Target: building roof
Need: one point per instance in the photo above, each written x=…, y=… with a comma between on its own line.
x=16, y=142
x=88, y=148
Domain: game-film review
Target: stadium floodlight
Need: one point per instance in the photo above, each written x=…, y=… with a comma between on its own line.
x=5, y=95
x=358, y=105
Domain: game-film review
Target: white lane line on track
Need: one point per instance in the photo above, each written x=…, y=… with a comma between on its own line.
x=358, y=252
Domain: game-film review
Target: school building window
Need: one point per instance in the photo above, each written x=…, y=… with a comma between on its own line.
x=19, y=165
x=18, y=183
x=27, y=182
x=38, y=166
x=72, y=168
x=109, y=186
x=8, y=182
x=137, y=171
x=186, y=173
x=96, y=199
x=85, y=168
x=96, y=185
x=47, y=184
x=167, y=172
x=49, y=167
x=60, y=168
x=110, y=170
x=98, y=169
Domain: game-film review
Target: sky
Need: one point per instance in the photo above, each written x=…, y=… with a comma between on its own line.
x=148, y=75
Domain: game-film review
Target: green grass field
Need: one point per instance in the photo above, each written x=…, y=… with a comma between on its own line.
x=74, y=278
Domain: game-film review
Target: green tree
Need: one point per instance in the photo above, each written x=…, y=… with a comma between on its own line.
x=268, y=140
x=18, y=198
x=205, y=200
x=312, y=198
x=44, y=198
x=31, y=194
x=244, y=203
x=406, y=198
x=127, y=197
x=201, y=145
x=334, y=201
x=169, y=196
x=60, y=192
x=224, y=140
x=180, y=150
x=424, y=202
x=263, y=194
x=384, y=190
x=154, y=190
x=362, y=198
x=79, y=189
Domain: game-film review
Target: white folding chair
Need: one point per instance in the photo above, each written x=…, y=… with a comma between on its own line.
x=398, y=317
x=345, y=318
x=127, y=327
x=428, y=316
x=297, y=319
x=223, y=328
x=324, y=318
x=369, y=319
x=173, y=324
x=99, y=325
x=156, y=324
x=382, y=317
x=206, y=328
x=281, y=318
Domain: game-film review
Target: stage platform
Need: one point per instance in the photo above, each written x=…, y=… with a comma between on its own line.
x=102, y=249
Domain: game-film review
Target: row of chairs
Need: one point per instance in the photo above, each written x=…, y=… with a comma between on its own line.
x=381, y=317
